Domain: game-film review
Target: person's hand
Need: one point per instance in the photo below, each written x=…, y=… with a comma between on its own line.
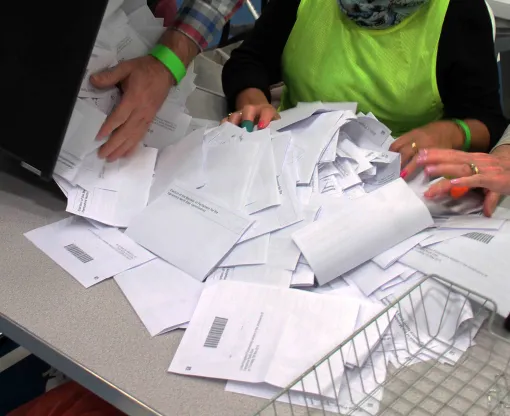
x=254, y=109
x=439, y=134
x=145, y=83
x=261, y=115
x=493, y=172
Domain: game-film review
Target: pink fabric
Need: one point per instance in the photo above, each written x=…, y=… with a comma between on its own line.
x=167, y=9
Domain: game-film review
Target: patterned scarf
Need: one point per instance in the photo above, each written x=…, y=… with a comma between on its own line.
x=379, y=14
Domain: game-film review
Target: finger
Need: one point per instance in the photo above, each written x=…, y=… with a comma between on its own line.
x=112, y=76
x=402, y=141
x=448, y=156
x=490, y=203
x=475, y=181
x=249, y=113
x=133, y=130
x=406, y=154
x=126, y=148
x=224, y=120
x=117, y=117
x=235, y=118
x=451, y=170
x=438, y=189
x=266, y=116
x=409, y=169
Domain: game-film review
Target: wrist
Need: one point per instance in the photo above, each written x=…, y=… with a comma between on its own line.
x=457, y=136
x=181, y=45
x=250, y=96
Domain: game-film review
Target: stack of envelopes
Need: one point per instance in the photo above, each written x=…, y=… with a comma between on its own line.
x=210, y=227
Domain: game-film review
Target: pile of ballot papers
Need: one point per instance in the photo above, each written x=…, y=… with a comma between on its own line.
x=270, y=247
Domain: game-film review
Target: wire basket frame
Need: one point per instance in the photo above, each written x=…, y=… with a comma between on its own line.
x=406, y=361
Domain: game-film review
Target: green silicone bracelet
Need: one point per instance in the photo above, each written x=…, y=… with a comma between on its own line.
x=170, y=60
x=467, y=134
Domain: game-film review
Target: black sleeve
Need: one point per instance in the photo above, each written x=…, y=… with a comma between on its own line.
x=257, y=62
x=467, y=72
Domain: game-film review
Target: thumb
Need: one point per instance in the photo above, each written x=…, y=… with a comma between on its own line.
x=490, y=203
x=111, y=76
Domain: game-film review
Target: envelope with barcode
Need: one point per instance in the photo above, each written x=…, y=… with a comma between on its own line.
x=88, y=253
x=264, y=334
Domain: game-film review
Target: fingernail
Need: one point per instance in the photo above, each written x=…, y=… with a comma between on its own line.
x=403, y=173
x=455, y=181
x=423, y=152
x=261, y=125
x=430, y=170
x=428, y=194
x=248, y=125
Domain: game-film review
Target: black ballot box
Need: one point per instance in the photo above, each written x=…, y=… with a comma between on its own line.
x=44, y=50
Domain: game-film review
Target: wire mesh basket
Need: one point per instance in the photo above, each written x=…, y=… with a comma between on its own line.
x=431, y=351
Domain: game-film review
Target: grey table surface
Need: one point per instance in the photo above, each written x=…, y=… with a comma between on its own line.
x=91, y=334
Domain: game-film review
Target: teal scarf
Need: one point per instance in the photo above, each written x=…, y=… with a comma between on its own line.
x=379, y=14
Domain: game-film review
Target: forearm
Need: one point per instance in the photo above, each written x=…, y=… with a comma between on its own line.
x=480, y=136
x=184, y=47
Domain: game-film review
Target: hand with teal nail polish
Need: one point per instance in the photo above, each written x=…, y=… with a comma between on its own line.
x=252, y=108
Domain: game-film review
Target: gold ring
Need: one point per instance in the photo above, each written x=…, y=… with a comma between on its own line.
x=474, y=169
x=414, y=146
x=238, y=112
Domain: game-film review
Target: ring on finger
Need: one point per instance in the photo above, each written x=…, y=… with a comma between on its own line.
x=474, y=169
x=236, y=112
x=414, y=146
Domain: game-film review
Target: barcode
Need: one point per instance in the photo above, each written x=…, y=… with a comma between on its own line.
x=215, y=333
x=78, y=253
x=483, y=238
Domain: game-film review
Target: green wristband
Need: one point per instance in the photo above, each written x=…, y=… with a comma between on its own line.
x=467, y=134
x=170, y=60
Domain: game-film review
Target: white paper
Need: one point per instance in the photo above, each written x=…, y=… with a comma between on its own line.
x=259, y=274
x=354, y=152
x=283, y=252
x=86, y=253
x=367, y=132
x=294, y=115
x=478, y=261
x=389, y=257
x=189, y=230
x=303, y=276
x=347, y=176
x=169, y=126
x=472, y=222
x=442, y=235
x=263, y=192
x=163, y=296
x=98, y=173
x=369, y=277
x=259, y=333
x=80, y=139
x=313, y=136
x=128, y=44
x=362, y=229
x=180, y=161
x=386, y=172
x=254, y=251
x=275, y=218
x=118, y=208
x=229, y=171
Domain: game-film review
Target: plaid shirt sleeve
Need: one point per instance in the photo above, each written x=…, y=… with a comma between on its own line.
x=200, y=20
